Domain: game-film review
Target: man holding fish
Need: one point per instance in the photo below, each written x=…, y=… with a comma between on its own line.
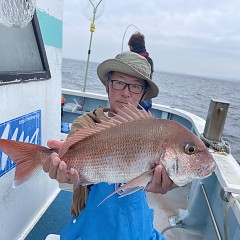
x=112, y=155
x=127, y=81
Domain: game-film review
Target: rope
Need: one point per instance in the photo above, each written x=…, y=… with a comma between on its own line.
x=222, y=146
x=171, y=227
x=230, y=204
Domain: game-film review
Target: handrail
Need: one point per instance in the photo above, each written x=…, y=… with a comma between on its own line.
x=211, y=213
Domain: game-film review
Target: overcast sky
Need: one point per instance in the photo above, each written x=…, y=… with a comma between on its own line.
x=199, y=37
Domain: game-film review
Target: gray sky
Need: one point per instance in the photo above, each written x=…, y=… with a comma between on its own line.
x=199, y=37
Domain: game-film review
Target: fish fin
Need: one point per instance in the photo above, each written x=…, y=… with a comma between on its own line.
x=28, y=157
x=130, y=113
x=78, y=136
x=84, y=182
x=133, y=185
x=128, y=191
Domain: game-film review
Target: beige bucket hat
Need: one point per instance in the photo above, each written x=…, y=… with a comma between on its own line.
x=132, y=64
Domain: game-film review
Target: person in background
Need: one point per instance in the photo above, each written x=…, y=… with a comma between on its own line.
x=137, y=44
x=127, y=80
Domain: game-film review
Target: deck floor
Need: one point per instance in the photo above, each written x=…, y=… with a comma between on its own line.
x=51, y=223
x=168, y=205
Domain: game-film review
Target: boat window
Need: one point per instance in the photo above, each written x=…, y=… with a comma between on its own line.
x=22, y=54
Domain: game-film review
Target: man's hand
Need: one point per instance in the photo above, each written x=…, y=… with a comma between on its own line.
x=161, y=183
x=56, y=168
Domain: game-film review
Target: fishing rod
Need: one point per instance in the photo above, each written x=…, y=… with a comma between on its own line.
x=131, y=25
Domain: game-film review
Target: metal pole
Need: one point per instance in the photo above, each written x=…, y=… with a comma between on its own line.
x=92, y=28
x=211, y=213
x=216, y=117
x=89, y=51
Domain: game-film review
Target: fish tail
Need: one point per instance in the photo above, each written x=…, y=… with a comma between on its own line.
x=28, y=157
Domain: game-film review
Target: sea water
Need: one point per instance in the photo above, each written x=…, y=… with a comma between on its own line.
x=190, y=93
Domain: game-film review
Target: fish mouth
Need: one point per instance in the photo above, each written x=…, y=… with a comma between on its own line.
x=206, y=170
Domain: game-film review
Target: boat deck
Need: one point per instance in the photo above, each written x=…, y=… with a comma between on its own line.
x=54, y=219
x=182, y=213
x=58, y=215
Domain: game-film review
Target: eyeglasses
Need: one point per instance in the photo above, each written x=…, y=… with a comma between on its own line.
x=133, y=88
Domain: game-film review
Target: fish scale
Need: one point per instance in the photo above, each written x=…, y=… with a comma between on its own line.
x=110, y=150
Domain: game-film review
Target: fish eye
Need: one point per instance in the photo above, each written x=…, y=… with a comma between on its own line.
x=189, y=149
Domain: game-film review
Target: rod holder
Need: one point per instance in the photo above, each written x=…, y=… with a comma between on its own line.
x=216, y=117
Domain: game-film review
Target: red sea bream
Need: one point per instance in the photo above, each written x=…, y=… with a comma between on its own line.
x=124, y=149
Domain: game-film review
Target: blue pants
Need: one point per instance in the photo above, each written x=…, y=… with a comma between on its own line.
x=126, y=218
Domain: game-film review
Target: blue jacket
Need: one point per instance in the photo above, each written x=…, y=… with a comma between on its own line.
x=124, y=218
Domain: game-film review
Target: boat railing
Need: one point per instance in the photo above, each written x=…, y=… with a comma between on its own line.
x=227, y=173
